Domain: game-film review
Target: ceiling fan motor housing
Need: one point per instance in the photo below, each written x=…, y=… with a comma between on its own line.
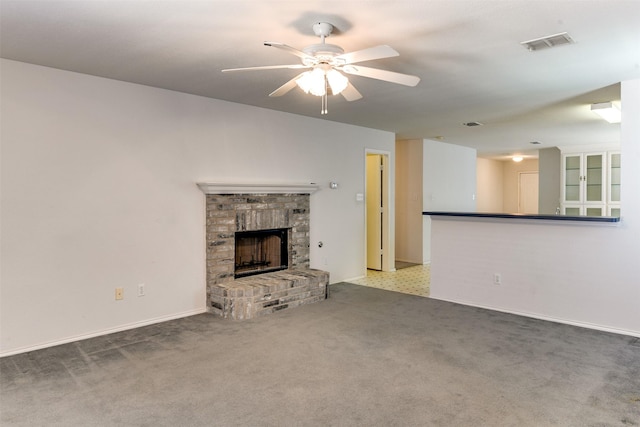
x=322, y=52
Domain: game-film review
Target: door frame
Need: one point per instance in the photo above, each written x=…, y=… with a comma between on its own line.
x=388, y=244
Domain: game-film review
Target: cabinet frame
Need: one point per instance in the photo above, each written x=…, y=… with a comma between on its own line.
x=590, y=191
x=614, y=160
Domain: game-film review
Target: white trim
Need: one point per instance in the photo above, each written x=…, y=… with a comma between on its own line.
x=420, y=262
x=573, y=149
x=546, y=318
x=121, y=328
x=238, y=188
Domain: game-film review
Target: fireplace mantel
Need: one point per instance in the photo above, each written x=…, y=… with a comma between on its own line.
x=229, y=188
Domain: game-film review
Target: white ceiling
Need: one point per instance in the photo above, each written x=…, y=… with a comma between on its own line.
x=467, y=53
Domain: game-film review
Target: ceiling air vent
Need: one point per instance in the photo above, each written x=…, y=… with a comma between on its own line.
x=547, y=42
x=472, y=124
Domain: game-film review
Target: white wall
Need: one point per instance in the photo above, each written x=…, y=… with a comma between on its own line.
x=549, y=180
x=408, y=197
x=489, y=185
x=498, y=184
x=448, y=183
x=580, y=274
x=98, y=192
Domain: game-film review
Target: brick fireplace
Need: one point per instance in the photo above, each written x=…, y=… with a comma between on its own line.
x=254, y=210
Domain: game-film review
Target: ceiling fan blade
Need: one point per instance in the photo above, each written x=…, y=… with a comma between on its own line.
x=285, y=87
x=291, y=50
x=350, y=93
x=377, y=52
x=266, y=67
x=375, y=73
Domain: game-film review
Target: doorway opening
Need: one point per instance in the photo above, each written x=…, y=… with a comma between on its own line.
x=379, y=254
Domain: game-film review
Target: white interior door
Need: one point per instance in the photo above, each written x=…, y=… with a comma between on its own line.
x=374, y=211
x=528, y=193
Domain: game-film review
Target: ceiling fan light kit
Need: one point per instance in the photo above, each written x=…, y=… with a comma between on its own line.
x=322, y=78
x=327, y=62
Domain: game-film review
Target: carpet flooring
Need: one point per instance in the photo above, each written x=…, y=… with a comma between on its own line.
x=364, y=357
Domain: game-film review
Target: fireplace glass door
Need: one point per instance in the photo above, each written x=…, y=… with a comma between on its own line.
x=261, y=251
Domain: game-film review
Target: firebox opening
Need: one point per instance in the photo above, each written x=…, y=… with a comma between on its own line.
x=261, y=251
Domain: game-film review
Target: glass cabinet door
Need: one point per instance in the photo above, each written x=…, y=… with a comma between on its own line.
x=594, y=211
x=614, y=177
x=594, y=178
x=573, y=211
x=572, y=178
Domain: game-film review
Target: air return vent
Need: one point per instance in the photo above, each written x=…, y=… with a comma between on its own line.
x=548, y=41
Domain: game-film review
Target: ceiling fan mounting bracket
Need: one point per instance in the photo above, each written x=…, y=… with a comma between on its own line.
x=322, y=29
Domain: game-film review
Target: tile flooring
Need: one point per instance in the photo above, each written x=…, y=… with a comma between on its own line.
x=412, y=280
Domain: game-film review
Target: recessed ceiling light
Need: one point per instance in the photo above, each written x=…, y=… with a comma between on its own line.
x=547, y=42
x=608, y=111
x=535, y=142
x=472, y=124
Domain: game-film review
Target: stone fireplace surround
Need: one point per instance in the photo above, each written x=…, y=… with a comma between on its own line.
x=248, y=207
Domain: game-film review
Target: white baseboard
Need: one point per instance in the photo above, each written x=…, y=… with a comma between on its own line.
x=547, y=318
x=410, y=261
x=103, y=332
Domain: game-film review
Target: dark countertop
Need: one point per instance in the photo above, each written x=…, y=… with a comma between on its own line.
x=606, y=219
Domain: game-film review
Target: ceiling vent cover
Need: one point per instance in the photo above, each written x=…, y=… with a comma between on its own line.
x=548, y=41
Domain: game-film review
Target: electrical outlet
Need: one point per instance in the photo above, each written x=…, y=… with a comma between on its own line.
x=119, y=293
x=141, y=289
x=497, y=278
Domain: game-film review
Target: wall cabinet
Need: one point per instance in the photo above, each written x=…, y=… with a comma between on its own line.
x=591, y=183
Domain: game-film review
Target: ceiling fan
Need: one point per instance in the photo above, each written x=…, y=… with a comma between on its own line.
x=327, y=62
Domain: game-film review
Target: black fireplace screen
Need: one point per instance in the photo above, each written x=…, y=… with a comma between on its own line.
x=261, y=251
